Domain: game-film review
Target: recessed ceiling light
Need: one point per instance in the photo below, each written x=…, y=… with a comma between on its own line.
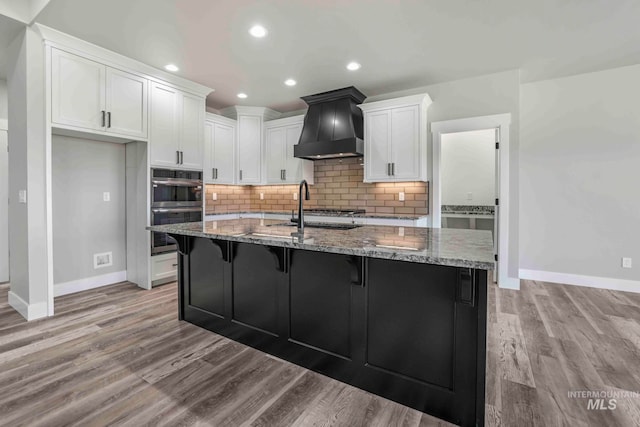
x=353, y=66
x=242, y=95
x=258, y=31
x=171, y=67
x=290, y=82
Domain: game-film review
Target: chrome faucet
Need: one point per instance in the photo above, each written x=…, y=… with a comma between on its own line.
x=300, y=232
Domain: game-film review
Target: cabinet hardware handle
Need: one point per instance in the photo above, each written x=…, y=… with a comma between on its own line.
x=389, y=169
x=177, y=157
x=213, y=173
x=174, y=265
x=181, y=157
x=103, y=117
x=109, y=119
x=284, y=172
x=393, y=169
x=216, y=173
x=240, y=174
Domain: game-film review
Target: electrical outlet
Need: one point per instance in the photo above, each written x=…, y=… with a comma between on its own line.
x=22, y=196
x=401, y=196
x=401, y=231
x=627, y=263
x=106, y=196
x=261, y=196
x=469, y=196
x=214, y=196
x=295, y=196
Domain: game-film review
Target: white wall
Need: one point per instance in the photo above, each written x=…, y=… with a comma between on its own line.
x=29, y=261
x=580, y=174
x=4, y=113
x=83, y=223
x=4, y=186
x=467, y=165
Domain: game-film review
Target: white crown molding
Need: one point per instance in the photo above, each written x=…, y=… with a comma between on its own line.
x=293, y=120
x=240, y=110
x=28, y=311
x=71, y=44
x=210, y=117
x=580, y=280
x=89, y=283
x=422, y=99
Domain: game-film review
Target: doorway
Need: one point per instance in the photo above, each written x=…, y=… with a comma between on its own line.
x=495, y=128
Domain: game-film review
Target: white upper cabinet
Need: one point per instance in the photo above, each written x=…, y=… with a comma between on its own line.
x=281, y=167
x=176, y=128
x=89, y=96
x=395, y=139
x=219, y=150
x=249, y=149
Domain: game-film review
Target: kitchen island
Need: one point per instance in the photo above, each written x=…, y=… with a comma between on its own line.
x=398, y=311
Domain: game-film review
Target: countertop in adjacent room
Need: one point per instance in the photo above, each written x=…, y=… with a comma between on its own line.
x=440, y=246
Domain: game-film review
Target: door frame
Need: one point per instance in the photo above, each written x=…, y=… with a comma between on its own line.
x=497, y=121
x=4, y=209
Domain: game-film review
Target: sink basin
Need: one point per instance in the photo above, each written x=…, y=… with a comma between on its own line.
x=328, y=225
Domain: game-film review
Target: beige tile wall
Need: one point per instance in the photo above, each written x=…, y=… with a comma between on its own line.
x=338, y=184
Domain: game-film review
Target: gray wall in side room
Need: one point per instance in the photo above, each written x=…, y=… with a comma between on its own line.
x=4, y=113
x=84, y=224
x=579, y=176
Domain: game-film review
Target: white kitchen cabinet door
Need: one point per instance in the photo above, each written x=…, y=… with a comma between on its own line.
x=208, y=174
x=405, y=143
x=249, y=149
x=191, y=143
x=164, y=126
x=275, y=140
x=77, y=91
x=377, y=146
x=295, y=169
x=224, y=153
x=126, y=104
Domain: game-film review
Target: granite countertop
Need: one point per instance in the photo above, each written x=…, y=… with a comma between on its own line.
x=441, y=246
x=469, y=210
x=332, y=214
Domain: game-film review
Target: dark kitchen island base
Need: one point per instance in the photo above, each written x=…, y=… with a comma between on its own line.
x=411, y=332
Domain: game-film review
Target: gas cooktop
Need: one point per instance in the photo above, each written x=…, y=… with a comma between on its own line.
x=335, y=211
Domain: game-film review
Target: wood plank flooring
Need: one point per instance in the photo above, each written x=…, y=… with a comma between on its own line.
x=118, y=356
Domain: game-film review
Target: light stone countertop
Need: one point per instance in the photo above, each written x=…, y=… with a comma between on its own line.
x=440, y=246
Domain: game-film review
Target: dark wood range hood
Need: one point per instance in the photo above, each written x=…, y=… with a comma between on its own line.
x=332, y=126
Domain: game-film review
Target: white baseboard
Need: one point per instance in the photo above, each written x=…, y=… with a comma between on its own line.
x=579, y=280
x=74, y=286
x=28, y=311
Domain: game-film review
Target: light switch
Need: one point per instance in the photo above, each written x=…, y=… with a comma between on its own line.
x=295, y=196
x=106, y=196
x=401, y=196
x=627, y=263
x=22, y=196
x=261, y=196
x=214, y=196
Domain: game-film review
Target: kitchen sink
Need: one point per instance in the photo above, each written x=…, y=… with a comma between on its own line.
x=327, y=225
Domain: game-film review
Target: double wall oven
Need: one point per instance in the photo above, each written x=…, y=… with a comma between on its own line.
x=176, y=196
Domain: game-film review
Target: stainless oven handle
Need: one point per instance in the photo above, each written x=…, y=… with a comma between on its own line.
x=178, y=182
x=164, y=210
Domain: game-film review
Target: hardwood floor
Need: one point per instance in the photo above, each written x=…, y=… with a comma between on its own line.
x=118, y=355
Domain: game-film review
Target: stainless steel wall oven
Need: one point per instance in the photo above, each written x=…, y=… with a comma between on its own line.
x=176, y=196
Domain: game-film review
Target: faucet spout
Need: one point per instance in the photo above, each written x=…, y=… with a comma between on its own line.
x=303, y=183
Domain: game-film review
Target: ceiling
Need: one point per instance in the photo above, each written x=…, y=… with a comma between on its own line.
x=401, y=44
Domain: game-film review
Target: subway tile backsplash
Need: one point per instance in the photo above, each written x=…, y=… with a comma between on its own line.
x=338, y=184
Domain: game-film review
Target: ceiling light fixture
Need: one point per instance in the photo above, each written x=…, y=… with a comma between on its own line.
x=171, y=67
x=242, y=95
x=290, y=82
x=353, y=66
x=258, y=31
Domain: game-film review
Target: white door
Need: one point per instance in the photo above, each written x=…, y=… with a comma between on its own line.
x=4, y=208
x=275, y=140
x=294, y=167
x=126, y=104
x=249, y=149
x=77, y=91
x=377, y=146
x=191, y=138
x=405, y=143
x=164, y=126
x=224, y=153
